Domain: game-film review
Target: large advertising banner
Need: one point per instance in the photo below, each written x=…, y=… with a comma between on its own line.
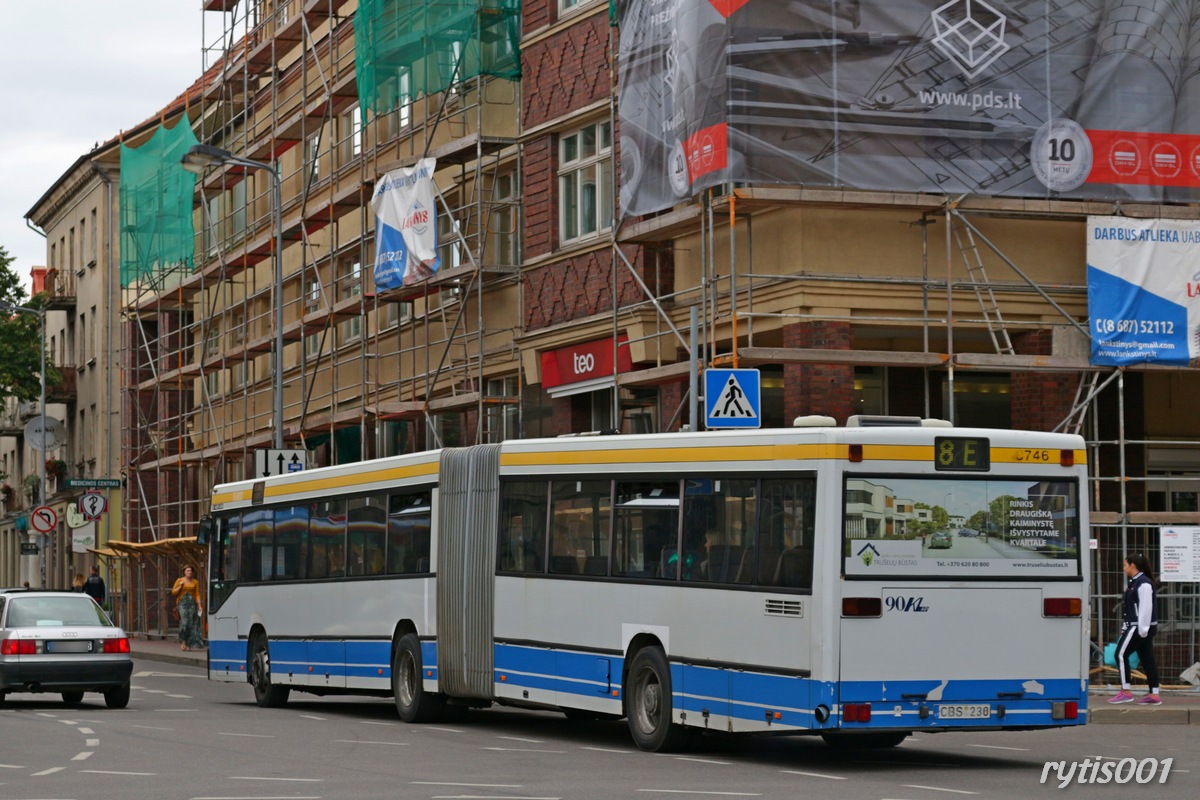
x=1143, y=291
x=406, y=243
x=1033, y=98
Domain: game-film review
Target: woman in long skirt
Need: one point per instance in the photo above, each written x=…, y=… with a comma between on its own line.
x=187, y=597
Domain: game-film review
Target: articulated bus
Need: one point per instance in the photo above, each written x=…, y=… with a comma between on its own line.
x=858, y=583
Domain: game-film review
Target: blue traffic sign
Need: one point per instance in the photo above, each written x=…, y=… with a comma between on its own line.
x=732, y=398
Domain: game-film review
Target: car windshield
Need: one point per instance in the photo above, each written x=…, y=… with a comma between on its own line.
x=29, y=612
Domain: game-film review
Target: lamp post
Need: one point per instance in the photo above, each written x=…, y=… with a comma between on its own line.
x=200, y=157
x=41, y=315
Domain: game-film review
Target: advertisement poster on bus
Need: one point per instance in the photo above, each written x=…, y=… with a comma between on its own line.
x=1143, y=291
x=406, y=240
x=1055, y=98
x=906, y=527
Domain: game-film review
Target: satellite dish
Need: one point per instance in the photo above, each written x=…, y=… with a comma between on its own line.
x=45, y=433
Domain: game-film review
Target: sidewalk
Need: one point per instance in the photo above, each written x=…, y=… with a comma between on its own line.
x=167, y=650
x=1179, y=707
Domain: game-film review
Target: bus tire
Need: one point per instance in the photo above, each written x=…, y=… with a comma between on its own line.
x=864, y=741
x=266, y=694
x=648, y=704
x=413, y=703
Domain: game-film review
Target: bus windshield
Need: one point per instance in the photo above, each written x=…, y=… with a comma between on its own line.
x=958, y=527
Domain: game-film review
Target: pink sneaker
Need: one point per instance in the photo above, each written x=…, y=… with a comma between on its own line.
x=1121, y=697
x=1150, y=700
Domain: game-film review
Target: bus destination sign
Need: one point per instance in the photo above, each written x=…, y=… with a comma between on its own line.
x=962, y=454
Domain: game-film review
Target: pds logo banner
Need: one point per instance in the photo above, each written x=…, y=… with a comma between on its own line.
x=406, y=242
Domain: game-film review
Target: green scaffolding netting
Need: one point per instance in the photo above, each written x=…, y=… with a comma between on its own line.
x=406, y=48
x=156, y=206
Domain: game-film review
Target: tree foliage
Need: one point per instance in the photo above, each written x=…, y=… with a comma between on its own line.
x=20, y=339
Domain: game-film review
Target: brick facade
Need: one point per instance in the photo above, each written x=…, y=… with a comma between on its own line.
x=1040, y=400
x=565, y=72
x=818, y=388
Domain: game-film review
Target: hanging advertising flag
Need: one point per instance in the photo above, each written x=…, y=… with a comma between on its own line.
x=1143, y=291
x=406, y=244
x=1056, y=98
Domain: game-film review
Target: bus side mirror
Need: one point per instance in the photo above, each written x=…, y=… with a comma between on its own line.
x=204, y=532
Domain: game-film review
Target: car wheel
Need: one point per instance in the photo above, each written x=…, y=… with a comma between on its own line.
x=266, y=694
x=72, y=698
x=864, y=741
x=648, y=703
x=118, y=697
x=413, y=703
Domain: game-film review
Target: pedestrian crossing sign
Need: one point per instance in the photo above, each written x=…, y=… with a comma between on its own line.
x=731, y=398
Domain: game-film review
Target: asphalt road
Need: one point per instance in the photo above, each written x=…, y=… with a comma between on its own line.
x=185, y=737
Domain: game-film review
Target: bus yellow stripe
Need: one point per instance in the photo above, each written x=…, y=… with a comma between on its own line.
x=331, y=482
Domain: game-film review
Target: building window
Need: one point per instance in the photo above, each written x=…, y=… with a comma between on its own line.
x=92, y=241
x=237, y=331
x=312, y=298
x=240, y=375
x=350, y=285
x=71, y=251
x=585, y=182
x=504, y=220
x=503, y=410
x=352, y=134
x=212, y=383
x=212, y=341
x=312, y=154
x=565, y=6
x=312, y=346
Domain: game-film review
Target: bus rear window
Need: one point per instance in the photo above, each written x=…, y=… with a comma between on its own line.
x=960, y=527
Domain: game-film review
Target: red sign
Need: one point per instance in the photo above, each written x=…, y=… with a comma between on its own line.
x=584, y=362
x=1154, y=159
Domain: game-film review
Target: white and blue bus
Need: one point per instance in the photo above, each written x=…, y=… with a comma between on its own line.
x=859, y=583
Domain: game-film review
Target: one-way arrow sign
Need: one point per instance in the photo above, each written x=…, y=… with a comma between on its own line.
x=278, y=462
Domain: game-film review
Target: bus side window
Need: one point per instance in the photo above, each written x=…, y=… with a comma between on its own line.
x=409, y=521
x=522, y=546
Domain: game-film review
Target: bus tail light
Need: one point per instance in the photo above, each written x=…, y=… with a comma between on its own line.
x=1066, y=458
x=862, y=607
x=1062, y=607
x=18, y=647
x=856, y=712
x=1072, y=709
x=116, y=645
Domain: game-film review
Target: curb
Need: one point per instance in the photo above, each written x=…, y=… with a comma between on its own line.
x=167, y=658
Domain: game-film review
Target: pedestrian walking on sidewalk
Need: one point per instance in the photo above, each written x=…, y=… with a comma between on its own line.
x=189, y=606
x=1140, y=623
x=94, y=586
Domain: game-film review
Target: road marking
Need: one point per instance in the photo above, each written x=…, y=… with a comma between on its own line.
x=469, y=785
x=360, y=741
x=84, y=756
x=608, y=750
x=999, y=747
x=935, y=788
x=436, y=728
x=259, y=797
x=50, y=771
x=519, y=739
x=44, y=714
x=155, y=691
x=813, y=774
x=150, y=674
x=696, y=791
x=153, y=728
x=251, y=735
x=703, y=760
x=291, y=780
x=68, y=722
x=180, y=696
x=313, y=716
x=86, y=730
x=372, y=722
x=522, y=750
x=490, y=797
x=114, y=772
x=11, y=766
x=91, y=743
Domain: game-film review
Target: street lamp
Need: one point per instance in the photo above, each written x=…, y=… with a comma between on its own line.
x=200, y=157
x=41, y=315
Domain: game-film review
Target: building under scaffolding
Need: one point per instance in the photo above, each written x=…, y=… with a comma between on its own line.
x=554, y=312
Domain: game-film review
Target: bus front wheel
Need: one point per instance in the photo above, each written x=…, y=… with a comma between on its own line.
x=413, y=703
x=864, y=741
x=648, y=703
x=266, y=694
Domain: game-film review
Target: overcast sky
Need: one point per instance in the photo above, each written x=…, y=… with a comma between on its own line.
x=77, y=72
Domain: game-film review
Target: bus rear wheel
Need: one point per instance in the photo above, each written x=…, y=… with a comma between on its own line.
x=648, y=703
x=266, y=694
x=413, y=703
x=864, y=741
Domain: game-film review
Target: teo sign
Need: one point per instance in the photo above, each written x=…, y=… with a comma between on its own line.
x=584, y=362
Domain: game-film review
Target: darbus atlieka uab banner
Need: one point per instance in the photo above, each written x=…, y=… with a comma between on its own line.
x=1027, y=98
x=406, y=242
x=1144, y=291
